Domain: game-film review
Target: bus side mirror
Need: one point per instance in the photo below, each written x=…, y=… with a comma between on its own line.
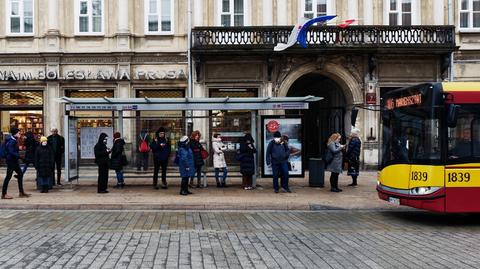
x=452, y=115
x=354, y=115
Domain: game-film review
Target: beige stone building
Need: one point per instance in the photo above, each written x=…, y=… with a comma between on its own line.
x=139, y=48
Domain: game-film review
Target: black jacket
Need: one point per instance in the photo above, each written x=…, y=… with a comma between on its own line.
x=60, y=145
x=246, y=155
x=160, y=153
x=30, y=146
x=44, y=161
x=101, y=152
x=197, y=152
x=117, y=153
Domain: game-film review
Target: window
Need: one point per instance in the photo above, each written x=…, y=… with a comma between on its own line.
x=464, y=139
x=400, y=12
x=19, y=17
x=232, y=13
x=158, y=16
x=314, y=8
x=469, y=14
x=89, y=18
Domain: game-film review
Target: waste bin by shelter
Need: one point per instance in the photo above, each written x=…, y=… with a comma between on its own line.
x=316, y=172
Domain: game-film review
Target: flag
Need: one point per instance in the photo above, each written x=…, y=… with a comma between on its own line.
x=299, y=32
x=346, y=23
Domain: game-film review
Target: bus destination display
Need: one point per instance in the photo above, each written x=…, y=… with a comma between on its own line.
x=404, y=101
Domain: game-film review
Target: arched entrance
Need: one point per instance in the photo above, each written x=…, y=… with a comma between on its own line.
x=324, y=117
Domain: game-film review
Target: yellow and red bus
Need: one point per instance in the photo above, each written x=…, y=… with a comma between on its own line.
x=430, y=154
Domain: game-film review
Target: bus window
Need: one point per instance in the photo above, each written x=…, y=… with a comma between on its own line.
x=464, y=139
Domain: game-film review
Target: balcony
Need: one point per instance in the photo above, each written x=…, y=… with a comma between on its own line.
x=262, y=39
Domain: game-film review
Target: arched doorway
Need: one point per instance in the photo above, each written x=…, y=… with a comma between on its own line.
x=322, y=118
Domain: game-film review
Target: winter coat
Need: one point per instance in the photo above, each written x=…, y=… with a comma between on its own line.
x=277, y=153
x=197, y=149
x=185, y=160
x=246, y=155
x=101, y=152
x=218, y=155
x=117, y=153
x=161, y=153
x=31, y=145
x=143, y=136
x=60, y=145
x=44, y=161
x=11, y=148
x=353, y=156
x=336, y=165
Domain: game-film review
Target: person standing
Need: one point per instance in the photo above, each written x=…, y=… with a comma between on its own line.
x=161, y=151
x=277, y=156
x=102, y=160
x=143, y=150
x=353, y=155
x=197, y=149
x=57, y=142
x=30, y=146
x=118, y=159
x=335, y=166
x=12, y=157
x=44, y=161
x=219, y=160
x=247, y=160
x=186, y=164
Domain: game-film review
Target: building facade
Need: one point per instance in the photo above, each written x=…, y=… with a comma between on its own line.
x=125, y=48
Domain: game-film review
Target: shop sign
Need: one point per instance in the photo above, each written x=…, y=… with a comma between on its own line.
x=92, y=75
x=102, y=107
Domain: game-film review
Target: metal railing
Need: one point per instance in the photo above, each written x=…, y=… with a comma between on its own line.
x=266, y=37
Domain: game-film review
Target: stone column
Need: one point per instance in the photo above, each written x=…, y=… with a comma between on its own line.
x=123, y=30
x=282, y=16
x=352, y=10
x=53, y=110
x=368, y=12
x=267, y=12
x=198, y=13
x=52, y=37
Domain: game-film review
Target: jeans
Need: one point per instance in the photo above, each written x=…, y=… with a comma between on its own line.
x=198, y=170
x=13, y=166
x=120, y=179
x=217, y=174
x=43, y=182
x=157, y=164
x=283, y=169
x=58, y=166
x=25, y=166
x=142, y=161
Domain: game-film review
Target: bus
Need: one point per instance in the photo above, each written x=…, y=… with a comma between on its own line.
x=430, y=152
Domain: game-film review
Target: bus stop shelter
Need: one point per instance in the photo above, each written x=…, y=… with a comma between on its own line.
x=121, y=105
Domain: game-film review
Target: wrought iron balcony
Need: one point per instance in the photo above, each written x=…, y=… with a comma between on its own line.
x=264, y=38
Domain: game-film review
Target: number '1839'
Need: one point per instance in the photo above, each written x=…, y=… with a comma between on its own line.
x=458, y=177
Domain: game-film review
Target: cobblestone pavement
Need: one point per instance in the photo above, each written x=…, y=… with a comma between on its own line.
x=226, y=239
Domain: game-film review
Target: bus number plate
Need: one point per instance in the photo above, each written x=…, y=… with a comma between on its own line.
x=394, y=201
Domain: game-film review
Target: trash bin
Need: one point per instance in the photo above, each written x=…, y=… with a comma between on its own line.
x=316, y=172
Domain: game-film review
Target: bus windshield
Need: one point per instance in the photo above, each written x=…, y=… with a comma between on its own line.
x=411, y=135
x=464, y=139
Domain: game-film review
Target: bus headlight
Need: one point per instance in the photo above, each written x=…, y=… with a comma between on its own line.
x=423, y=190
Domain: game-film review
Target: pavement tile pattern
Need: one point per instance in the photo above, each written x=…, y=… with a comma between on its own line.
x=238, y=239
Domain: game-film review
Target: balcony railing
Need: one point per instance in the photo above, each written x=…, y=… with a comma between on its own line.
x=325, y=37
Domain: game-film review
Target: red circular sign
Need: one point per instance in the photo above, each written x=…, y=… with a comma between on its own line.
x=273, y=126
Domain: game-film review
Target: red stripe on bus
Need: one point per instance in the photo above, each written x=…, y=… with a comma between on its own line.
x=462, y=199
x=459, y=97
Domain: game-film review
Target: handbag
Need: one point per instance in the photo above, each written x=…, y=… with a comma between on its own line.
x=204, y=154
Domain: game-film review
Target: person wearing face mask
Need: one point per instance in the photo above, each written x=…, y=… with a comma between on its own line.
x=219, y=160
x=186, y=164
x=102, y=160
x=118, y=159
x=12, y=157
x=161, y=151
x=277, y=157
x=44, y=164
x=335, y=166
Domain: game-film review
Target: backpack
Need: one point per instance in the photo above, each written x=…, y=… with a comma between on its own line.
x=3, y=150
x=327, y=157
x=143, y=148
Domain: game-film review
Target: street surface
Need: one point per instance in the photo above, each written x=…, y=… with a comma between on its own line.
x=238, y=239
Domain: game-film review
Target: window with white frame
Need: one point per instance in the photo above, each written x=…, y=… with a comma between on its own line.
x=89, y=17
x=232, y=13
x=470, y=14
x=19, y=17
x=400, y=12
x=314, y=8
x=158, y=16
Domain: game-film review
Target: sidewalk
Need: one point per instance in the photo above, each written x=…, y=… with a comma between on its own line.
x=139, y=194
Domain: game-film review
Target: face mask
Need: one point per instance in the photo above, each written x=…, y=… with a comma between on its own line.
x=277, y=139
x=44, y=143
x=105, y=141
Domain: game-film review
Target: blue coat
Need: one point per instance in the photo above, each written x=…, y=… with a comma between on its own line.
x=185, y=160
x=277, y=153
x=160, y=153
x=11, y=148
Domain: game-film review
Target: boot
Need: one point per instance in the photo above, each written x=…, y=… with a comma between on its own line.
x=5, y=196
x=24, y=195
x=354, y=181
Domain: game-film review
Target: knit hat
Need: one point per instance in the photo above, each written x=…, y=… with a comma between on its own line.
x=43, y=139
x=116, y=135
x=14, y=131
x=277, y=134
x=161, y=130
x=184, y=139
x=355, y=131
